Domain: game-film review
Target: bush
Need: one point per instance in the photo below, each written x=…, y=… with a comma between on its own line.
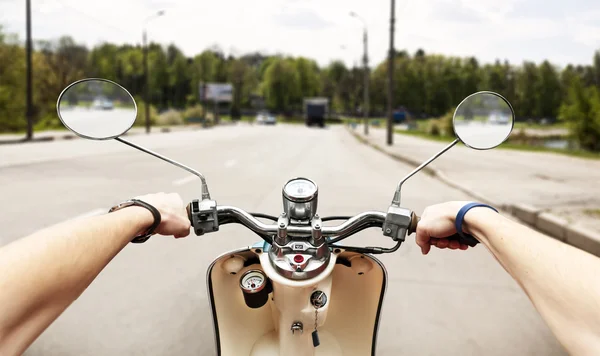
x=193, y=112
x=434, y=128
x=140, y=120
x=445, y=123
x=169, y=118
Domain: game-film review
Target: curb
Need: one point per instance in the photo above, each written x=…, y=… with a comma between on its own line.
x=70, y=136
x=549, y=224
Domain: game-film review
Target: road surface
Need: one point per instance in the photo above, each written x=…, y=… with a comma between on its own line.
x=151, y=300
x=97, y=123
x=482, y=135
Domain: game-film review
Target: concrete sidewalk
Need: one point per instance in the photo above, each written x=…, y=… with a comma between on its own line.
x=56, y=135
x=556, y=194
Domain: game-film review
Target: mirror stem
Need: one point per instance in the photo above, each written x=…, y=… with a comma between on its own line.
x=205, y=193
x=396, y=200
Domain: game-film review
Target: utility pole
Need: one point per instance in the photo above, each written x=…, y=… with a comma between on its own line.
x=146, y=84
x=29, y=97
x=146, y=71
x=390, y=119
x=366, y=70
x=366, y=91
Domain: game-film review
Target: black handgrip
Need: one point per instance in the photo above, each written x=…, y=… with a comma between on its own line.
x=464, y=240
x=467, y=239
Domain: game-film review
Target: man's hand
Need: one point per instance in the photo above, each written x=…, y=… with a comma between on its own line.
x=437, y=223
x=174, y=217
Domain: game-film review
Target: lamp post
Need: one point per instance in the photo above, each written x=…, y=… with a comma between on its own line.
x=390, y=118
x=366, y=71
x=146, y=74
x=29, y=96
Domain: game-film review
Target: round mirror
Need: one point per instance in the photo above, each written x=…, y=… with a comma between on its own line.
x=483, y=120
x=96, y=108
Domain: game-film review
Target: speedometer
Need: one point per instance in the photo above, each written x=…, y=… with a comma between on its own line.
x=256, y=288
x=253, y=281
x=300, y=189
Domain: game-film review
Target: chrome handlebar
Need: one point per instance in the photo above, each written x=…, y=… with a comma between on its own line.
x=351, y=226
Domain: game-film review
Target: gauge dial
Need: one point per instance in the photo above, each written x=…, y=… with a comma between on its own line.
x=253, y=281
x=300, y=188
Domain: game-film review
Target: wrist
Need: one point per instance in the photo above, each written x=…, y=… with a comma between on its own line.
x=472, y=220
x=140, y=218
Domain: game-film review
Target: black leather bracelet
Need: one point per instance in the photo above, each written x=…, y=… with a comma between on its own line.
x=153, y=210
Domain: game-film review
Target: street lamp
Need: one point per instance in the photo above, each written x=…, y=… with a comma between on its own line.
x=146, y=74
x=366, y=70
x=390, y=118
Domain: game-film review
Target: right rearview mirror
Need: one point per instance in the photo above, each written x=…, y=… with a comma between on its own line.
x=483, y=120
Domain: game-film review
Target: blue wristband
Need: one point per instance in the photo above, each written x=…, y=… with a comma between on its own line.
x=460, y=217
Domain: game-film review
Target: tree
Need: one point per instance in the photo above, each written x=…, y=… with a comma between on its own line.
x=244, y=80
x=548, y=91
x=308, y=76
x=526, y=85
x=581, y=111
x=282, y=85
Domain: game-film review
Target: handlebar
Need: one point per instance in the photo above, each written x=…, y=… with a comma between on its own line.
x=206, y=216
x=231, y=214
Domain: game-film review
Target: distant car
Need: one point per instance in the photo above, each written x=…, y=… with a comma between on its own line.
x=102, y=104
x=270, y=120
x=498, y=118
x=264, y=118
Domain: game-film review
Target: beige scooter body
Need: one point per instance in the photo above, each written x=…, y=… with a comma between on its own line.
x=354, y=284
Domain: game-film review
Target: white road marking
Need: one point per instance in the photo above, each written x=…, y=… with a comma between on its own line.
x=185, y=180
x=94, y=212
x=230, y=163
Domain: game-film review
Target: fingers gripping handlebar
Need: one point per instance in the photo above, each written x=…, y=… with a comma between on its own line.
x=455, y=237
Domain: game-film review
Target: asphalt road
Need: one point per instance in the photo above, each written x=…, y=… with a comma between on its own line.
x=97, y=123
x=151, y=299
x=482, y=135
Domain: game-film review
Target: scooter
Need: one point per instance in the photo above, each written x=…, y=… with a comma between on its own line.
x=297, y=292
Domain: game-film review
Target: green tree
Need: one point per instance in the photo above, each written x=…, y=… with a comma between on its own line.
x=282, y=85
x=581, y=111
x=308, y=76
x=548, y=91
x=526, y=85
x=244, y=81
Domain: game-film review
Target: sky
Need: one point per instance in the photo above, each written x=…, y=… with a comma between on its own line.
x=516, y=30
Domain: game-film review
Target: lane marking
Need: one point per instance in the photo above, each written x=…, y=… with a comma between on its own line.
x=185, y=180
x=230, y=163
x=94, y=212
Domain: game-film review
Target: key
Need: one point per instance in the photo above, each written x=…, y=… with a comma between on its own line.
x=315, y=334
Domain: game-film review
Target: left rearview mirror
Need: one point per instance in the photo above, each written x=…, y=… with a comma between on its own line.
x=96, y=109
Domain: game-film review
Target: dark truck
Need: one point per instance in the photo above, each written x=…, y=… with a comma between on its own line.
x=315, y=111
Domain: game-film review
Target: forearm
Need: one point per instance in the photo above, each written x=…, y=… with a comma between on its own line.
x=560, y=280
x=42, y=274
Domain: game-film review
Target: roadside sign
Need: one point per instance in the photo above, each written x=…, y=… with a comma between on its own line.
x=219, y=92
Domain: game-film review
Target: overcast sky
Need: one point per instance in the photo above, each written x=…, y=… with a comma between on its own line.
x=563, y=31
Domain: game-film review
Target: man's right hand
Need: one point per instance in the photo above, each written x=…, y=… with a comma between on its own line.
x=436, y=224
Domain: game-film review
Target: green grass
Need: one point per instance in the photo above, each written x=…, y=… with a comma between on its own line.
x=509, y=145
x=525, y=125
x=593, y=212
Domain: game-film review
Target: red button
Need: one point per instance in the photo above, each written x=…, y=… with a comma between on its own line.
x=298, y=259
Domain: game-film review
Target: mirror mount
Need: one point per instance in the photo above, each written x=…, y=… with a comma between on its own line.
x=205, y=192
x=398, y=220
x=396, y=200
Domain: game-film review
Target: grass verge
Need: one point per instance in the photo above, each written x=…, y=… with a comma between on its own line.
x=509, y=145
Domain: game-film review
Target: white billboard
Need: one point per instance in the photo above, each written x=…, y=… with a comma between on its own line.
x=220, y=92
